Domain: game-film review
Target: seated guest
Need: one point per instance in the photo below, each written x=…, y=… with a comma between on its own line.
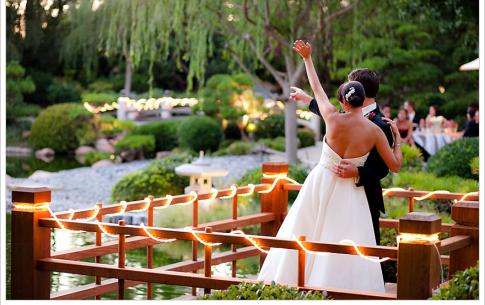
x=405, y=126
x=471, y=128
x=410, y=107
x=386, y=110
x=434, y=121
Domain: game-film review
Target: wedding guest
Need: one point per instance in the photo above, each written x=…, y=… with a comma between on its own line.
x=386, y=110
x=405, y=126
x=433, y=119
x=410, y=107
x=471, y=128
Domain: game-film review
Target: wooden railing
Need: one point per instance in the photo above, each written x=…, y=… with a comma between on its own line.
x=417, y=259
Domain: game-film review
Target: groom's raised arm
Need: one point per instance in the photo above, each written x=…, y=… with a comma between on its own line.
x=313, y=107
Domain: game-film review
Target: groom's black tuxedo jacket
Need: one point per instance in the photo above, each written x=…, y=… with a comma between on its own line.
x=373, y=171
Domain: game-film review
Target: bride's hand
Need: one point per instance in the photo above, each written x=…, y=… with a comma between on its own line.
x=302, y=48
x=394, y=128
x=300, y=95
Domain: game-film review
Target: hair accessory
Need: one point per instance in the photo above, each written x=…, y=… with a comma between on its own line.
x=349, y=94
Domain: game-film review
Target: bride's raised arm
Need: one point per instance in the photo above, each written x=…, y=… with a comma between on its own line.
x=324, y=105
x=392, y=157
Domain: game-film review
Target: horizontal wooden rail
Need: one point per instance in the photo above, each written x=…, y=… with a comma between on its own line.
x=454, y=243
x=157, y=202
x=216, y=237
x=181, y=278
x=109, y=285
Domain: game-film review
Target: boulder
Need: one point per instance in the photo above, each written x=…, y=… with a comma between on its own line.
x=45, y=154
x=104, y=146
x=102, y=163
x=83, y=150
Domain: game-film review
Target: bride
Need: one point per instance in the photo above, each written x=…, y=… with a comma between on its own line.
x=331, y=209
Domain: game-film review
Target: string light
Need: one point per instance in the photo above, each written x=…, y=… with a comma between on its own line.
x=213, y=196
x=466, y=196
x=142, y=104
x=251, y=190
x=168, y=199
x=393, y=189
x=164, y=240
x=30, y=207
x=371, y=259
x=417, y=237
x=250, y=239
x=123, y=206
x=194, y=197
x=305, y=249
x=233, y=192
x=431, y=194
x=200, y=239
x=100, y=226
x=278, y=178
x=148, y=202
x=96, y=211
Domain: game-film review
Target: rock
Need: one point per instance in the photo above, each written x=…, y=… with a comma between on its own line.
x=128, y=155
x=18, y=151
x=102, y=163
x=163, y=154
x=104, y=146
x=83, y=150
x=25, y=134
x=45, y=154
x=40, y=174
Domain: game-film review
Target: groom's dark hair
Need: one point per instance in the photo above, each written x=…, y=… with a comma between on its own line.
x=368, y=78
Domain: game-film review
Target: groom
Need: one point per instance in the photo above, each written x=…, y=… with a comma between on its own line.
x=369, y=176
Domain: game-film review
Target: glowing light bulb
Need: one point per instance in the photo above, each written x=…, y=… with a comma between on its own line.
x=162, y=240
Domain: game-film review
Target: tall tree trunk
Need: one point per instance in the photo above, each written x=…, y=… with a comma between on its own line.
x=128, y=74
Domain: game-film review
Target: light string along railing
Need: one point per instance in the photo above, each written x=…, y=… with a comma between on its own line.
x=214, y=193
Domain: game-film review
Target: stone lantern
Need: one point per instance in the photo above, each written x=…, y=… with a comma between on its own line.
x=200, y=173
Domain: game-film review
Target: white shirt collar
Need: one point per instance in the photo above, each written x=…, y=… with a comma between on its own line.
x=369, y=108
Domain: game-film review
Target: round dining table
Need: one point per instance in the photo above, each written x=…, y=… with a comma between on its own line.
x=433, y=141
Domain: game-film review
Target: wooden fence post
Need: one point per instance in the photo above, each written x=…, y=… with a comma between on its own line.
x=418, y=263
x=466, y=215
x=30, y=242
x=207, y=260
x=276, y=201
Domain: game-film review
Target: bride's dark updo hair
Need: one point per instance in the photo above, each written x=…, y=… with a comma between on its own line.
x=353, y=92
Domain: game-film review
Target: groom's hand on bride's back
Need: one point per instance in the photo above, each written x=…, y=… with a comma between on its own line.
x=345, y=169
x=300, y=95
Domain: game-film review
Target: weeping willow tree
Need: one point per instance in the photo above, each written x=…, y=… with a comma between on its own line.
x=258, y=35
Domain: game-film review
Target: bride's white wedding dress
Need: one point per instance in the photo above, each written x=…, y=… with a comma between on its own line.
x=328, y=209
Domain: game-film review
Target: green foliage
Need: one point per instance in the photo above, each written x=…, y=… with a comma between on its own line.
x=145, y=143
x=200, y=133
x=277, y=143
x=99, y=98
x=464, y=285
x=63, y=127
x=271, y=127
x=306, y=136
x=94, y=156
x=157, y=179
x=259, y=291
x=17, y=86
x=454, y=159
x=61, y=93
x=100, y=86
x=236, y=148
x=165, y=133
x=430, y=182
x=412, y=158
x=475, y=165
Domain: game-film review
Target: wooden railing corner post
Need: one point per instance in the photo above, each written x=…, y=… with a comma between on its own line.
x=466, y=217
x=30, y=242
x=418, y=263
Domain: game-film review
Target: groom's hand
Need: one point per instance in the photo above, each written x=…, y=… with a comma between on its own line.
x=345, y=169
x=300, y=95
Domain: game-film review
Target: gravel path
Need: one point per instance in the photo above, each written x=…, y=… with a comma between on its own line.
x=84, y=187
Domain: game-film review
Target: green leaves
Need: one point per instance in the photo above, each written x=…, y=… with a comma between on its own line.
x=464, y=285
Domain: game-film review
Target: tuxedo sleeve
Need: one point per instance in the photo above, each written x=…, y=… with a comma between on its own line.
x=313, y=107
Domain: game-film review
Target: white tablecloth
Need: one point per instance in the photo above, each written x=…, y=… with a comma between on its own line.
x=432, y=142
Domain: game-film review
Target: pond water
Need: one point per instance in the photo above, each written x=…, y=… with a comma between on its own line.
x=164, y=254
x=22, y=167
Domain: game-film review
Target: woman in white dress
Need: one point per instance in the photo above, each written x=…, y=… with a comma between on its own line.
x=331, y=209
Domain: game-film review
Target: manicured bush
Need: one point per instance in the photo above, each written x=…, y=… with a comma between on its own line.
x=454, y=158
x=100, y=86
x=17, y=86
x=430, y=182
x=271, y=127
x=62, y=92
x=412, y=158
x=165, y=133
x=144, y=143
x=236, y=149
x=63, y=127
x=464, y=285
x=94, y=156
x=99, y=98
x=157, y=179
x=259, y=291
x=200, y=133
x=277, y=143
x=475, y=165
x=306, y=137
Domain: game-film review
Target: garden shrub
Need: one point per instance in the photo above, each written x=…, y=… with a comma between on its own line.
x=236, y=149
x=99, y=98
x=277, y=143
x=430, y=182
x=17, y=86
x=306, y=137
x=157, y=179
x=63, y=127
x=259, y=291
x=94, y=156
x=144, y=143
x=100, y=86
x=164, y=132
x=61, y=93
x=271, y=127
x=200, y=133
x=475, y=165
x=454, y=158
x=462, y=286
x=412, y=158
